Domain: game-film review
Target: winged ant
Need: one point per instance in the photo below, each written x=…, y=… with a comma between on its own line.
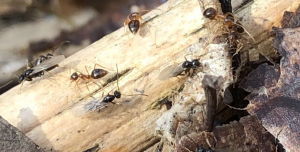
x=97, y=104
x=134, y=22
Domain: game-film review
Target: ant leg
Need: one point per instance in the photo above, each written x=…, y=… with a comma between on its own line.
x=96, y=64
x=235, y=17
x=88, y=88
x=239, y=48
x=148, y=29
x=132, y=39
x=50, y=76
x=76, y=85
x=212, y=4
x=87, y=70
x=201, y=4
x=125, y=23
x=100, y=86
x=22, y=84
x=29, y=64
x=245, y=31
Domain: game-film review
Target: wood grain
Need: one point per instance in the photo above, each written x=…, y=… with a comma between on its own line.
x=42, y=109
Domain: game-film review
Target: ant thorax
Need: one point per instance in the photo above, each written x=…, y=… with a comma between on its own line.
x=189, y=111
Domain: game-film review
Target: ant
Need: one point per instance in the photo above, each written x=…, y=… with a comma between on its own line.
x=134, y=22
x=94, y=105
x=42, y=58
x=38, y=71
x=188, y=65
x=177, y=69
x=227, y=19
x=28, y=76
x=95, y=74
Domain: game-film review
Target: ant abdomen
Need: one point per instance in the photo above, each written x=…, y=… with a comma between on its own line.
x=98, y=73
x=210, y=13
x=108, y=98
x=117, y=94
x=134, y=26
x=74, y=76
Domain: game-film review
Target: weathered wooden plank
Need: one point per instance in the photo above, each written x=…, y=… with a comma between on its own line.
x=43, y=109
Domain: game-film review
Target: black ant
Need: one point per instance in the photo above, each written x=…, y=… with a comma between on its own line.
x=188, y=65
x=38, y=71
x=95, y=74
x=94, y=105
x=117, y=94
x=177, y=69
x=28, y=76
x=42, y=58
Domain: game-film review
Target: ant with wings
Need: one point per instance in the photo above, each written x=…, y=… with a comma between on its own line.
x=94, y=105
x=42, y=64
x=38, y=71
x=135, y=22
x=230, y=28
x=42, y=58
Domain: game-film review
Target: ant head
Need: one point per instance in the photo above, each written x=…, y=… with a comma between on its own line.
x=186, y=64
x=21, y=78
x=98, y=73
x=229, y=19
x=74, y=76
x=239, y=29
x=117, y=94
x=196, y=63
x=210, y=13
x=134, y=26
x=133, y=16
x=200, y=149
x=28, y=72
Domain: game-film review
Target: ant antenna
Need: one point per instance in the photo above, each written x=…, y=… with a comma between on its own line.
x=117, y=77
x=29, y=64
x=60, y=45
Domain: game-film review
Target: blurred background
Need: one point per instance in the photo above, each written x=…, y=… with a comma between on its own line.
x=30, y=28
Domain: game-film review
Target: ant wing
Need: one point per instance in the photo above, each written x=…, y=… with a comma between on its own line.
x=171, y=71
x=47, y=64
x=85, y=109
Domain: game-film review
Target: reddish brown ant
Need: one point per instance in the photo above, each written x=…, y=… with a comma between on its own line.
x=227, y=20
x=135, y=22
x=95, y=74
